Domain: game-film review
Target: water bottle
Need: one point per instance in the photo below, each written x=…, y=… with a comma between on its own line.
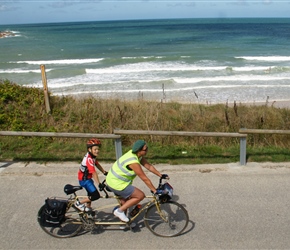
x=135, y=210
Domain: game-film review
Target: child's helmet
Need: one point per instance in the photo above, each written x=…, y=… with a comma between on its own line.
x=93, y=142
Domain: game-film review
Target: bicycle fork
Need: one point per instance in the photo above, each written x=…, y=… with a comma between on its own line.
x=165, y=216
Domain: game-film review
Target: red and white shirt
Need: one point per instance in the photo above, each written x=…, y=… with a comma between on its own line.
x=87, y=167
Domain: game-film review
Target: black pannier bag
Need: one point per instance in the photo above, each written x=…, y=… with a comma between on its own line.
x=52, y=214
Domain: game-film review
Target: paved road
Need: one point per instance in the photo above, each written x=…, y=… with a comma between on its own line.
x=230, y=207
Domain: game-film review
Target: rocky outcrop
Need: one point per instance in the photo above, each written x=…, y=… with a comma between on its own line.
x=6, y=34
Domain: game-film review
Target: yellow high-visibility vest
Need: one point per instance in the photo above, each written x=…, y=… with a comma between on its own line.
x=119, y=177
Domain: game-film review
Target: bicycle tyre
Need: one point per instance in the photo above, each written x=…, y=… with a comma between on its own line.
x=69, y=228
x=174, y=222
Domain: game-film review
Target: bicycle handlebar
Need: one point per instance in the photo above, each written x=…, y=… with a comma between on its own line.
x=106, y=189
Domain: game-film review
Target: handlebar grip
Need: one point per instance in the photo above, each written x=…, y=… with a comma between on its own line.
x=104, y=189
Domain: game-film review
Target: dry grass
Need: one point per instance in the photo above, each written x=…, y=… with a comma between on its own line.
x=23, y=109
x=103, y=116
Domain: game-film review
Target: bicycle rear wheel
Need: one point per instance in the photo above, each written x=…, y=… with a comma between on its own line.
x=170, y=221
x=70, y=227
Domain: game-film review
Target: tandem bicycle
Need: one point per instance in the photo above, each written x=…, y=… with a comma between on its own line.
x=162, y=216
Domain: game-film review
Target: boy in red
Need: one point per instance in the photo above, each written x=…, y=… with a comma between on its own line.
x=87, y=175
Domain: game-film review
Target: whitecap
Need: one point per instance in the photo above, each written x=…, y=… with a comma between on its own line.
x=65, y=61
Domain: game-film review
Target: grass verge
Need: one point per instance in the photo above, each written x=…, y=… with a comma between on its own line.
x=23, y=109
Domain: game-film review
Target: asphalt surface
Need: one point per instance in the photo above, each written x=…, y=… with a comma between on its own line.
x=229, y=206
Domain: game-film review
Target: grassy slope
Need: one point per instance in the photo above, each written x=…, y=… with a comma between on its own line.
x=23, y=109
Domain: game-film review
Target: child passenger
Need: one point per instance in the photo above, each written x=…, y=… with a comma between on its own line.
x=87, y=175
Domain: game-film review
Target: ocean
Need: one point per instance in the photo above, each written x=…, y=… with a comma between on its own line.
x=185, y=60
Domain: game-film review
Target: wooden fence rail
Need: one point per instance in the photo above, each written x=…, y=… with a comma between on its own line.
x=119, y=132
x=117, y=138
x=242, y=137
x=263, y=131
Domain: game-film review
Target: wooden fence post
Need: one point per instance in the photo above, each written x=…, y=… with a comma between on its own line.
x=45, y=89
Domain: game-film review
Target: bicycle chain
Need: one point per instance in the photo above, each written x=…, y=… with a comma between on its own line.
x=88, y=224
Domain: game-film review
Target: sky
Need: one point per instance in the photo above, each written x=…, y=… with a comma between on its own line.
x=48, y=11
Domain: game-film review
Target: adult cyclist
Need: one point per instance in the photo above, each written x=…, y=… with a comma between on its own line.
x=124, y=171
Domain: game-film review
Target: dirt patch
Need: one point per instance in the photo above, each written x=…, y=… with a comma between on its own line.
x=209, y=170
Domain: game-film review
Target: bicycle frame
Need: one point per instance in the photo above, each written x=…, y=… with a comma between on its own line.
x=102, y=208
x=162, y=216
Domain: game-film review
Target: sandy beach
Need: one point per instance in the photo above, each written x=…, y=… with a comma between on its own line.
x=275, y=104
x=269, y=103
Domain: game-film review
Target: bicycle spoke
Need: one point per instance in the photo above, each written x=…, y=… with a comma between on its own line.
x=170, y=221
x=154, y=220
x=165, y=219
x=70, y=227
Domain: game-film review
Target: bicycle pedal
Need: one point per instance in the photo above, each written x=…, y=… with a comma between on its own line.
x=91, y=217
x=132, y=225
x=92, y=213
x=129, y=226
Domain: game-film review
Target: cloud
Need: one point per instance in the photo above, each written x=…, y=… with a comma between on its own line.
x=62, y=4
x=181, y=4
x=69, y=3
x=4, y=7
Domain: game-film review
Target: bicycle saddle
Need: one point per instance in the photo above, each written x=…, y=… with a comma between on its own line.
x=70, y=189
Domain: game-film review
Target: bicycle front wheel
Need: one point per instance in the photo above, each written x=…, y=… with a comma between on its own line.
x=70, y=227
x=171, y=220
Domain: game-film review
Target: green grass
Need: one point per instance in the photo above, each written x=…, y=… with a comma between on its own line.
x=23, y=109
x=56, y=149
